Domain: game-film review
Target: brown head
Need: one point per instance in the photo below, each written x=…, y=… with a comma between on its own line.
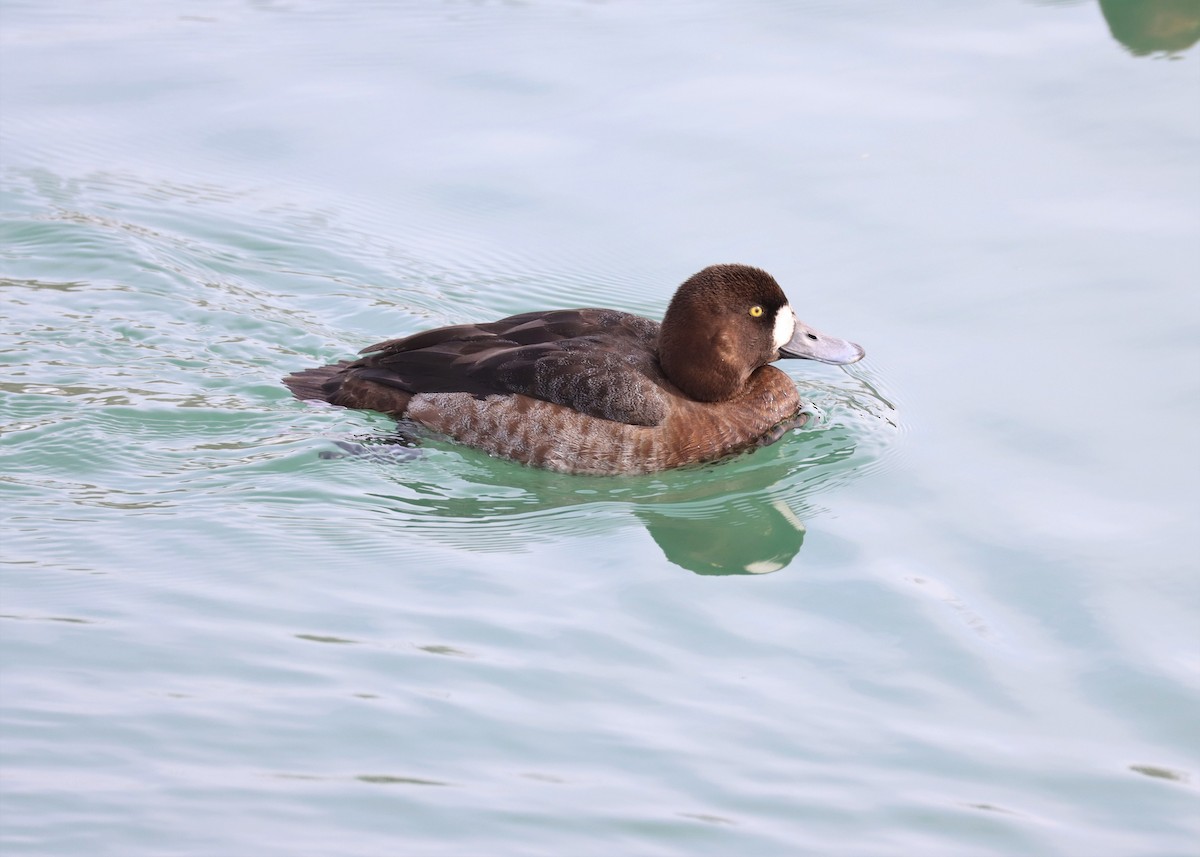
x=727, y=321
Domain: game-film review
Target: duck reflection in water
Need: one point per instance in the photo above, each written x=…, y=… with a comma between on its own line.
x=740, y=538
x=1153, y=26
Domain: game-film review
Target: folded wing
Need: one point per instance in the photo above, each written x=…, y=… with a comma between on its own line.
x=600, y=362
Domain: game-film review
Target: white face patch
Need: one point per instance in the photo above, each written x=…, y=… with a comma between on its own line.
x=785, y=326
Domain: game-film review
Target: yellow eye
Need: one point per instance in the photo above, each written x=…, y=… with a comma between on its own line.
x=756, y=311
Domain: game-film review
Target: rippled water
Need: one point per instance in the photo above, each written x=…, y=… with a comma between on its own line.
x=956, y=617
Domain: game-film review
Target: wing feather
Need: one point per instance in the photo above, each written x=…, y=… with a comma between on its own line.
x=599, y=362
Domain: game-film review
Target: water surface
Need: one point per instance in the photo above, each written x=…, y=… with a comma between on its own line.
x=957, y=617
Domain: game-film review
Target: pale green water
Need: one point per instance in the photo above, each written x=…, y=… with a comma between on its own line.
x=983, y=639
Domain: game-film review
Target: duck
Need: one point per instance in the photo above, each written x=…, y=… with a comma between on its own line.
x=599, y=391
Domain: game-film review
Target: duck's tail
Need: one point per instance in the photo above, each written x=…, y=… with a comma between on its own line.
x=319, y=383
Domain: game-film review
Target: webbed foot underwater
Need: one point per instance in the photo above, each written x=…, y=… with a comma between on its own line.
x=599, y=391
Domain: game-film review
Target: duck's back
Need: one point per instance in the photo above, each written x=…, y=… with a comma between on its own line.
x=597, y=362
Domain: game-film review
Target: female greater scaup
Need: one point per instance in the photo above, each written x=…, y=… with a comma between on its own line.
x=597, y=390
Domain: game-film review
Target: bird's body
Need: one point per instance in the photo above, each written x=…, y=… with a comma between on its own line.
x=595, y=390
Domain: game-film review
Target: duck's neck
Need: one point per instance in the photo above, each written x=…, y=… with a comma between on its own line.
x=714, y=378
